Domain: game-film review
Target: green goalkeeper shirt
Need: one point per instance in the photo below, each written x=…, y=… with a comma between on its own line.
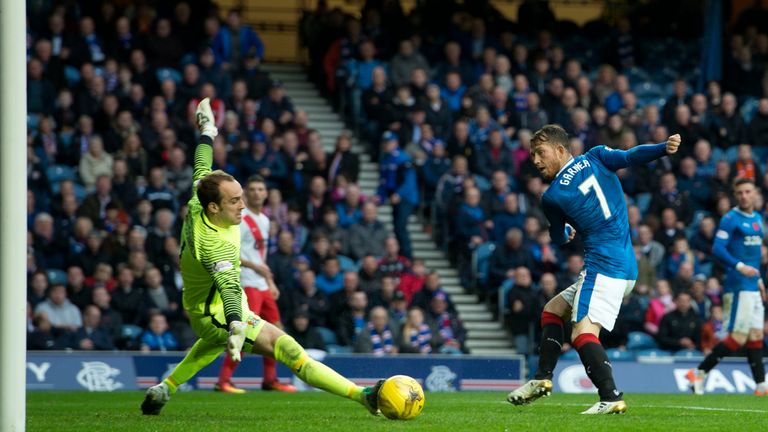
x=210, y=257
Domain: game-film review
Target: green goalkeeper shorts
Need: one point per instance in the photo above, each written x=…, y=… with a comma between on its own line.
x=214, y=329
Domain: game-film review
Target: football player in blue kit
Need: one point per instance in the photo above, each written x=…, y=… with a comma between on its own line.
x=585, y=196
x=737, y=246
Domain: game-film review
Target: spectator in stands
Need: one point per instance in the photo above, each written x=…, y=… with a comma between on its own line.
x=412, y=280
x=416, y=336
x=78, y=292
x=158, y=297
x=158, y=193
x=712, y=331
x=331, y=280
x=367, y=236
x=757, y=131
x=447, y=325
x=379, y=337
x=522, y=306
x=728, y=126
x=661, y=303
x=352, y=320
x=311, y=300
x=48, y=243
x=158, y=336
x=398, y=186
x=701, y=302
x=63, y=315
x=693, y=185
x=393, y=264
x=42, y=337
x=432, y=287
x=508, y=255
x=680, y=328
x=127, y=297
x=338, y=301
x=38, y=288
x=281, y=261
x=91, y=336
x=745, y=166
x=307, y=336
x=238, y=42
x=277, y=106
x=405, y=62
x=680, y=253
x=111, y=320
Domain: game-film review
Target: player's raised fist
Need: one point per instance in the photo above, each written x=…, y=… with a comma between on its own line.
x=673, y=142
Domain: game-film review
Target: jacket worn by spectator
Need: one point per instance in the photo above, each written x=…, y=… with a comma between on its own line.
x=398, y=175
x=677, y=325
x=366, y=238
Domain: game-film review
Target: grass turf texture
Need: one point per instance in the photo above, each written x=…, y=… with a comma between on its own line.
x=272, y=412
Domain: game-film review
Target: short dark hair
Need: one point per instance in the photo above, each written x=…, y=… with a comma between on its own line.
x=552, y=135
x=208, y=190
x=255, y=179
x=738, y=181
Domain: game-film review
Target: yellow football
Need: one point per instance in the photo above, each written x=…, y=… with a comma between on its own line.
x=401, y=398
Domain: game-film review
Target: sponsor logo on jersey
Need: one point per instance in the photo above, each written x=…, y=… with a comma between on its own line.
x=221, y=266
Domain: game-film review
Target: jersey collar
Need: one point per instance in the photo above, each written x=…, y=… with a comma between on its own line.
x=742, y=212
x=567, y=164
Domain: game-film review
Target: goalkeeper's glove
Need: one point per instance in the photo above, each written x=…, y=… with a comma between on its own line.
x=236, y=339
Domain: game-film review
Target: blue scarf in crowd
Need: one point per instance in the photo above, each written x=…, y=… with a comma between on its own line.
x=382, y=342
x=420, y=338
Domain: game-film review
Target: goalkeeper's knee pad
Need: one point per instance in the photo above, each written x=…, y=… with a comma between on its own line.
x=289, y=352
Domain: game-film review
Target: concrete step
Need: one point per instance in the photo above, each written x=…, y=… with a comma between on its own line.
x=447, y=273
x=493, y=352
x=436, y=264
x=305, y=93
x=368, y=166
x=486, y=334
x=447, y=280
x=428, y=253
x=301, y=101
x=296, y=83
x=473, y=307
x=420, y=236
x=476, y=316
x=454, y=291
x=315, y=107
x=282, y=68
x=461, y=298
x=488, y=343
x=369, y=175
x=484, y=326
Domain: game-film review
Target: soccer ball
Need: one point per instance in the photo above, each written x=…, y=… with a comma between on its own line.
x=401, y=398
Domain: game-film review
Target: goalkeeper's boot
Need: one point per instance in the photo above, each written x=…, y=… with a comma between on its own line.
x=227, y=387
x=608, y=407
x=279, y=387
x=371, y=397
x=205, y=120
x=696, y=377
x=155, y=399
x=761, y=389
x=530, y=391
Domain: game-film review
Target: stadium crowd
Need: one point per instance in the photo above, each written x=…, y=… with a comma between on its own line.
x=111, y=96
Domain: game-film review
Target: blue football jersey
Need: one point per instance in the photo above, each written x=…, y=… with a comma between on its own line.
x=739, y=239
x=587, y=195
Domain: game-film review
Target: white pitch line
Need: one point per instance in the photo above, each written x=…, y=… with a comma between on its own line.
x=694, y=408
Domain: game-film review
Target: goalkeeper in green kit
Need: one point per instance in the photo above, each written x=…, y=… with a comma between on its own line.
x=213, y=298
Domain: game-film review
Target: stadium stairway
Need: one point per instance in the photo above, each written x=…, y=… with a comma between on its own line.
x=485, y=336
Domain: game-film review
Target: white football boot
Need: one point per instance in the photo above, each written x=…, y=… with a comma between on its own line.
x=530, y=391
x=696, y=377
x=157, y=396
x=761, y=389
x=616, y=407
x=205, y=120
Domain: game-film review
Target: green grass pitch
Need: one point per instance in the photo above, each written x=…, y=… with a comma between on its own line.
x=269, y=412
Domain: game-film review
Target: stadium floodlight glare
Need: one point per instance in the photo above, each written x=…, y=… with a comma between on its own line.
x=13, y=195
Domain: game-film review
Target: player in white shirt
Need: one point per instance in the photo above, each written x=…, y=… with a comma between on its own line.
x=257, y=281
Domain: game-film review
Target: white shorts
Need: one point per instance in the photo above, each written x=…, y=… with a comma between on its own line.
x=743, y=311
x=598, y=297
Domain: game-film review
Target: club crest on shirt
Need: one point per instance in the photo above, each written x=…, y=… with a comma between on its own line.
x=221, y=266
x=756, y=226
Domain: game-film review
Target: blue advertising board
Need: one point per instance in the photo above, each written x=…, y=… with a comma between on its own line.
x=730, y=376
x=131, y=371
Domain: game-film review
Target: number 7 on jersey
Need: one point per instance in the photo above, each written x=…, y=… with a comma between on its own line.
x=591, y=183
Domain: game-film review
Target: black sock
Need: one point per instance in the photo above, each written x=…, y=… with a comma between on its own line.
x=598, y=367
x=755, y=360
x=549, y=350
x=550, y=346
x=718, y=352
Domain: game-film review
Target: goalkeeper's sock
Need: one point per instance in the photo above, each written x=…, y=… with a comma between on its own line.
x=550, y=346
x=755, y=359
x=312, y=372
x=598, y=367
x=727, y=346
x=200, y=356
x=228, y=368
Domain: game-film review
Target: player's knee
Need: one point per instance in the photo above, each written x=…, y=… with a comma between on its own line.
x=755, y=334
x=740, y=338
x=289, y=352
